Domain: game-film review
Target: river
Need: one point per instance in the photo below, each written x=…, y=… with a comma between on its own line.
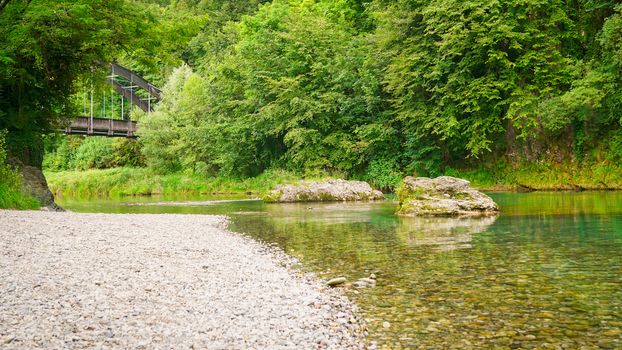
x=546, y=273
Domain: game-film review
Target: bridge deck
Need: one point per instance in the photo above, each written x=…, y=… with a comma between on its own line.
x=101, y=127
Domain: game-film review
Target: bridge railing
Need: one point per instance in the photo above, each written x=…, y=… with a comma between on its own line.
x=134, y=78
x=129, y=95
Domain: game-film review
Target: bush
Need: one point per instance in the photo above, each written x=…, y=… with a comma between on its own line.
x=127, y=153
x=383, y=174
x=614, y=153
x=59, y=152
x=94, y=153
x=81, y=153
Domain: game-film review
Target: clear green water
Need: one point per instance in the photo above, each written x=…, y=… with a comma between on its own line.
x=547, y=273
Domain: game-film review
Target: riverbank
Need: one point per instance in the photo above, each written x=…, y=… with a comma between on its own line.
x=499, y=178
x=140, y=181
x=14, y=198
x=159, y=281
x=545, y=176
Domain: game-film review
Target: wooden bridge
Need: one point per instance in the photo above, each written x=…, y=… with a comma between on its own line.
x=96, y=126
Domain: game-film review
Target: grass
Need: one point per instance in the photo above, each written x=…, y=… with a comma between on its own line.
x=543, y=177
x=11, y=194
x=11, y=198
x=501, y=177
x=140, y=181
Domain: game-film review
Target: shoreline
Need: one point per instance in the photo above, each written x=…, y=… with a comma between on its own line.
x=244, y=196
x=561, y=188
x=139, y=182
x=160, y=280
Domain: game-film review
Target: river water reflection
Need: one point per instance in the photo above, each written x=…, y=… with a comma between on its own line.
x=546, y=273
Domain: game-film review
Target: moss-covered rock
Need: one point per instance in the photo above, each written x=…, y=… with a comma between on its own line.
x=442, y=196
x=35, y=185
x=272, y=196
x=331, y=190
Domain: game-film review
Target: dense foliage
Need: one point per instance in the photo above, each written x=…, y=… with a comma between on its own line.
x=79, y=153
x=371, y=89
x=375, y=89
x=45, y=46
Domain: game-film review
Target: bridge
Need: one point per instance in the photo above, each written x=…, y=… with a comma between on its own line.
x=124, y=82
x=101, y=127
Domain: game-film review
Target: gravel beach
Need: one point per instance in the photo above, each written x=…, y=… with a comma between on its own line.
x=71, y=280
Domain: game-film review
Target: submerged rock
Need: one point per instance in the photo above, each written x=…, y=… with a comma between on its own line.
x=364, y=283
x=336, y=281
x=331, y=190
x=443, y=234
x=443, y=196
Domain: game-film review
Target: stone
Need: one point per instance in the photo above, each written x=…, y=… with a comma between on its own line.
x=443, y=196
x=336, y=281
x=359, y=284
x=612, y=332
x=367, y=280
x=35, y=185
x=249, y=291
x=331, y=190
x=364, y=283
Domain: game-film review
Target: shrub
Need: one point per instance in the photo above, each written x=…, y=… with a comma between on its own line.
x=94, y=153
x=383, y=174
x=614, y=153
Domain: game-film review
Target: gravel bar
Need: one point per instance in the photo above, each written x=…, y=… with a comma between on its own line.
x=70, y=280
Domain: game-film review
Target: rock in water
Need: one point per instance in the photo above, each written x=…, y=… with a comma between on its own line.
x=364, y=283
x=331, y=190
x=336, y=281
x=443, y=196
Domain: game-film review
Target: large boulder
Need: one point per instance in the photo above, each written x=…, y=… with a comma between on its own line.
x=35, y=185
x=331, y=190
x=443, y=196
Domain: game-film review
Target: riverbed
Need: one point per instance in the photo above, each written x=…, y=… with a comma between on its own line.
x=158, y=281
x=546, y=273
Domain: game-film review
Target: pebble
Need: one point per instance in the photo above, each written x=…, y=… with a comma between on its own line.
x=612, y=332
x=336, y=281
x=364, y=283
x=139, y=281
x=367, y=280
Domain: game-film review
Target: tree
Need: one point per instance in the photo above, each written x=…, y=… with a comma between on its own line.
x=45, y=46
x=170, y=134
x=466, y=71
x=292, y=92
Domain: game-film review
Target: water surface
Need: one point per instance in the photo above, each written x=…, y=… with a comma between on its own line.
x=546, y=273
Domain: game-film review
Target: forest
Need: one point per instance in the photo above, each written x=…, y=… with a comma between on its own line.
x=510, y=93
